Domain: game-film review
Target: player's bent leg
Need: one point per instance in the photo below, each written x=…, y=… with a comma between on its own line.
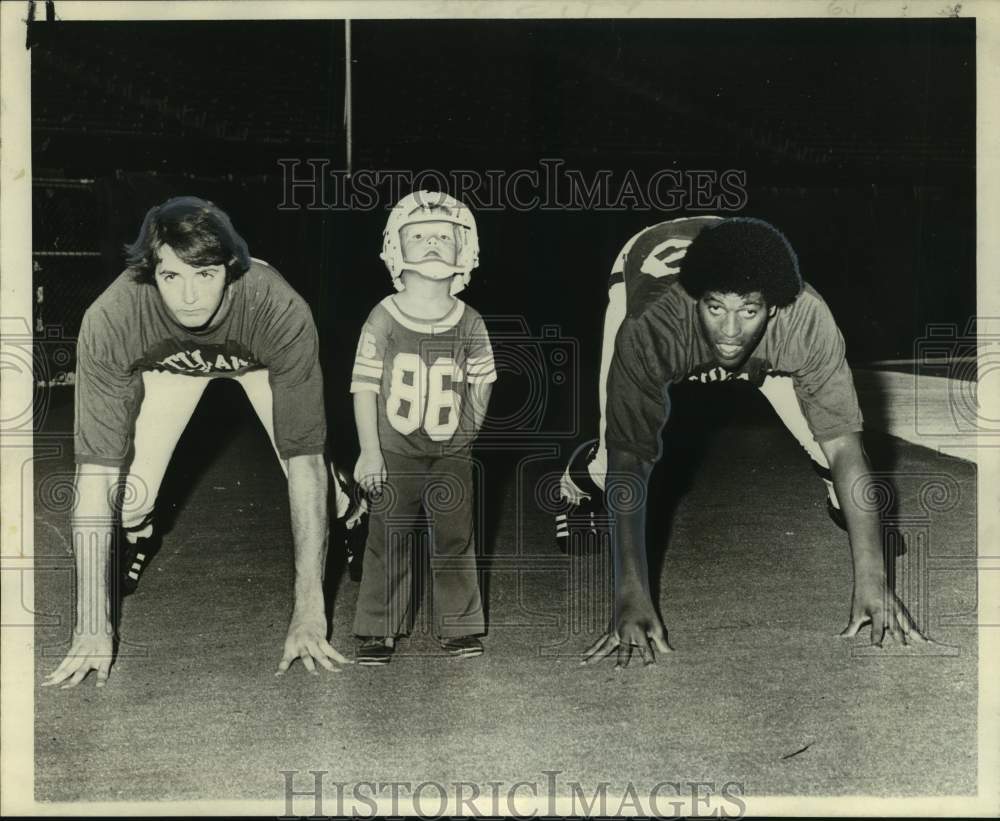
x=257, y=386
x=780, y=392
x=349, y=505
x=168, y=403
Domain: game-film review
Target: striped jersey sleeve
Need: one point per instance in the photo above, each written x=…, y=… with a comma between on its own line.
x=657, y=251
x=366, y=374
x=479, y=366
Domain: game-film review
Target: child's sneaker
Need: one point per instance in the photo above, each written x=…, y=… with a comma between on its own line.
x=465, y=647
x=374, y=651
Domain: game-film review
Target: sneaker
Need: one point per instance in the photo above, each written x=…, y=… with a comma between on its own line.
x=835, y=513
x=134, y=558
x=465, y=647
x=374, y=652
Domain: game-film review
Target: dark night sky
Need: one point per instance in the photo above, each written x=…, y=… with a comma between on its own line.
x=857, y=138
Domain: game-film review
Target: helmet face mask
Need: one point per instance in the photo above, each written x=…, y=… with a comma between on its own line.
x=426, y=207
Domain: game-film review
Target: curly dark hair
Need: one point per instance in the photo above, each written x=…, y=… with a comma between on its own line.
x=198, y=231
x=741, y=255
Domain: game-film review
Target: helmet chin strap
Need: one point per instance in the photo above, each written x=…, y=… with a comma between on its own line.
x=433, y=268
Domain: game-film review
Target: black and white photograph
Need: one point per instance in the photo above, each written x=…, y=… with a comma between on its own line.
x=500, y=409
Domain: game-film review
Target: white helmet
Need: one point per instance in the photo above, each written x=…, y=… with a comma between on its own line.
x=432, y=206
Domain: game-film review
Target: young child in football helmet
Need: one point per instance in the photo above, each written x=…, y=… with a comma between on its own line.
x=421, y=381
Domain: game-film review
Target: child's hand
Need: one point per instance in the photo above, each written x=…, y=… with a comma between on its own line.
x=369, y=472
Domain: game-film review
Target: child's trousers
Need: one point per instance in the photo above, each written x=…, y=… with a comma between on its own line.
x=443, y=486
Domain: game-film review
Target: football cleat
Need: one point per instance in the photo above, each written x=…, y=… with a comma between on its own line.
x=431, y=206
x=832, y=503
x=352, y=520
x=836, y=515
x=584, y=511
x=135, y=548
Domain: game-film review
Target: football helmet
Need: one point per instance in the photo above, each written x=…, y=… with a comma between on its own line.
x=432, y=206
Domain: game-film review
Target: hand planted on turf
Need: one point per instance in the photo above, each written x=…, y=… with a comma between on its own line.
x=876, y=603
x=370, y=471
x=637, y=627
x=306, y=640
x=85, y=654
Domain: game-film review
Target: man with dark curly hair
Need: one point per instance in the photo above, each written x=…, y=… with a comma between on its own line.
x=706, y=299
x=191, y=306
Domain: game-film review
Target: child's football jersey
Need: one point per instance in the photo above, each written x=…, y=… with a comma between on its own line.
x=423, y=372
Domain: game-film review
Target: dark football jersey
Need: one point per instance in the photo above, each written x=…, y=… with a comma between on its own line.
x=660, y=343
x=127, y=330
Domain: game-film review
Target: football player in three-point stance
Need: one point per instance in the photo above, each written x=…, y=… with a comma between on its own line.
x=192, y=306
x=654, y=256
x=705, y=299
x=421, y=381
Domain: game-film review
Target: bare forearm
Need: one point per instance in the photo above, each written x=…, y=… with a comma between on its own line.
x=479, y=402
x=366, y=421
x=626, y=484
x=307, y=497
x=851, y=473
x=92, y=526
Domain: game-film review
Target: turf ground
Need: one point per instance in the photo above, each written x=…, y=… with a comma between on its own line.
x=755, y=583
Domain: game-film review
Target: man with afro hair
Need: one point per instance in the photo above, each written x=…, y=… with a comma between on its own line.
x=705, y=299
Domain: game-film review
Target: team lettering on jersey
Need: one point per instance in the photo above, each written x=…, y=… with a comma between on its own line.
x=753, y=372
x=205, y=359
x=716, y=374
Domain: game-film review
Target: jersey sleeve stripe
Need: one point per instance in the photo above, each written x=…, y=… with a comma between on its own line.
x=358, y=387
x=365, y=370
x=364, y=360
x=482, y=379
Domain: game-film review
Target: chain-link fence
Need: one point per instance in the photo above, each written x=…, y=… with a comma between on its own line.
x=67, y=269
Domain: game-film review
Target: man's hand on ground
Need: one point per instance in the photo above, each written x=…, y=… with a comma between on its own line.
x=876, y=603
x=306, y=640
x=637, y=628
x=86, y=653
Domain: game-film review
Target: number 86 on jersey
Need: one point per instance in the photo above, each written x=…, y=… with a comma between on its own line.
x=423, y=396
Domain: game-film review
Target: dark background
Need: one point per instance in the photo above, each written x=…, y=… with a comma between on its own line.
x=857, y=139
